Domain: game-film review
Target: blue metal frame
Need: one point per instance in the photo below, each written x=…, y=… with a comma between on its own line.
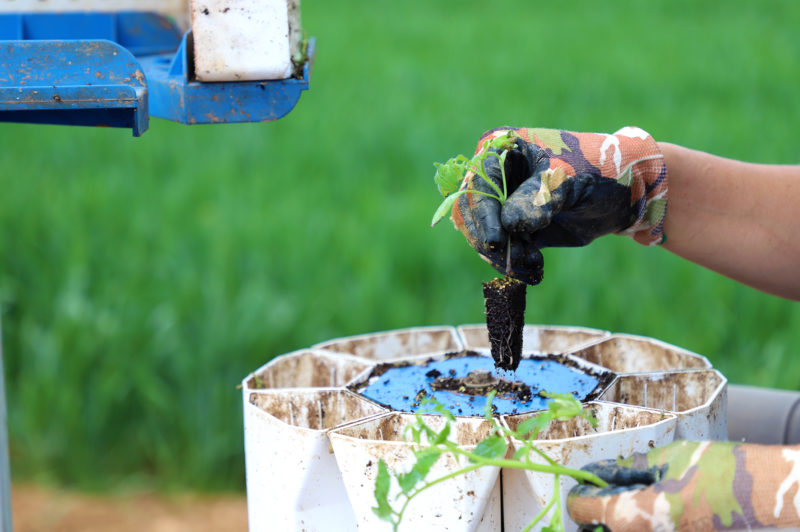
x=117, y=69
x=175, y=95
x=88, y=83
x=139, y=33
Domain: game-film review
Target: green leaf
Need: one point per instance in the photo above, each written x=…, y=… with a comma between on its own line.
x=449, y=175
x=521, y=453
x=442, y=436
x=445, y=207
x=430, y=404
x=426, y=460
x=419, y=470
x=488, y=411
x=588, y=415
x=532, y=426
x=505, y=142
x=492, y=447
x=416, y=432
x=382, y=483
x=563, y=406
x=476, y=165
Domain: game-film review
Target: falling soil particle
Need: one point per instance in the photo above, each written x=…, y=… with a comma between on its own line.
x=505, y=319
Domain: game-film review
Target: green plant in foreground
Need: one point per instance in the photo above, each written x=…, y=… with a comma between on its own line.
x=450, y=175
x=431, y=444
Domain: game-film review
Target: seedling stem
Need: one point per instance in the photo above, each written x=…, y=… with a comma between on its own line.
x=491, y=451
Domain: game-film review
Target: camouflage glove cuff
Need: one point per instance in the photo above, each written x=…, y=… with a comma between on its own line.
x=694, y=486
x=630, y=156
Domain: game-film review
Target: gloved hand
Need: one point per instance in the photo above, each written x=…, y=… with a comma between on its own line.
x=565, y=189
x=693, y=486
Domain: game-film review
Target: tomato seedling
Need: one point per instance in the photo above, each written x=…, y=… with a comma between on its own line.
x=431, y=444
x=450, y=176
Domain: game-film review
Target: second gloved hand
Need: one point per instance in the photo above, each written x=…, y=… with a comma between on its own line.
x=565, y=189
x=693, y=486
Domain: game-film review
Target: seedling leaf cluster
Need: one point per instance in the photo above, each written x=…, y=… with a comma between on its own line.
x=450, y=176
x=431, y=444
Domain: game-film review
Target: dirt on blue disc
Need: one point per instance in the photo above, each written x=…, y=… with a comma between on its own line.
x=402, y=386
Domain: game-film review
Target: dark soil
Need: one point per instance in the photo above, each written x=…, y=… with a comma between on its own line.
x=503, y=387
x=524, y=390
x=505, y=319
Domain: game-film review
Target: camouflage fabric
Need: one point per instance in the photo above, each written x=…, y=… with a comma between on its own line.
x=694, y=486
x=565, y=190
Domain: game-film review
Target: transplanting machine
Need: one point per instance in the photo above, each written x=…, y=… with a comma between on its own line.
x=115, y=63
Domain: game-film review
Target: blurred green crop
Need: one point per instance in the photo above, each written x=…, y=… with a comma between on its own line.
x=142, y=279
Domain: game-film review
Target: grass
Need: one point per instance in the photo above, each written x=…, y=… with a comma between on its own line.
x=141, y=279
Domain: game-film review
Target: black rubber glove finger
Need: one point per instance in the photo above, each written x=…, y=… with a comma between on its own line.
x=638, y=472
x=486, y=216
x=638, y=475
x=556, y=235
x=519, y=165
x=491, y=249
x=580, y=209
x=487, y=210
x=521, y=212
x=527, y=262
x=594, y=206
x=522, y=163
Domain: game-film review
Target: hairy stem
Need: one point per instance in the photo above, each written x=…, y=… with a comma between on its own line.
x=555, y=469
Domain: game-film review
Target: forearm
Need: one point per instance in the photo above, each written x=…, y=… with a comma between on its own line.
x=738, y=219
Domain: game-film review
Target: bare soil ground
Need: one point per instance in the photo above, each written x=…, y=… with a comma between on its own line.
x=37, y=509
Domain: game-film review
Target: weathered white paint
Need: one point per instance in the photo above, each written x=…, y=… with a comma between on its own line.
x=465, y=503
x=238, y=40
x=293, y=482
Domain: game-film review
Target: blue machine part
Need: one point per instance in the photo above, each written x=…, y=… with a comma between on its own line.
x=397, y=387
x=139, y=33
x=174, y=95
x=117, y=69
x=88, y=83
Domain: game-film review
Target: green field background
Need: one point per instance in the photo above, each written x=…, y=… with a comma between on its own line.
x=142, y=279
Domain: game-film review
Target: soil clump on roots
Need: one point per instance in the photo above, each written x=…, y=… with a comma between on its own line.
x=505, y=319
